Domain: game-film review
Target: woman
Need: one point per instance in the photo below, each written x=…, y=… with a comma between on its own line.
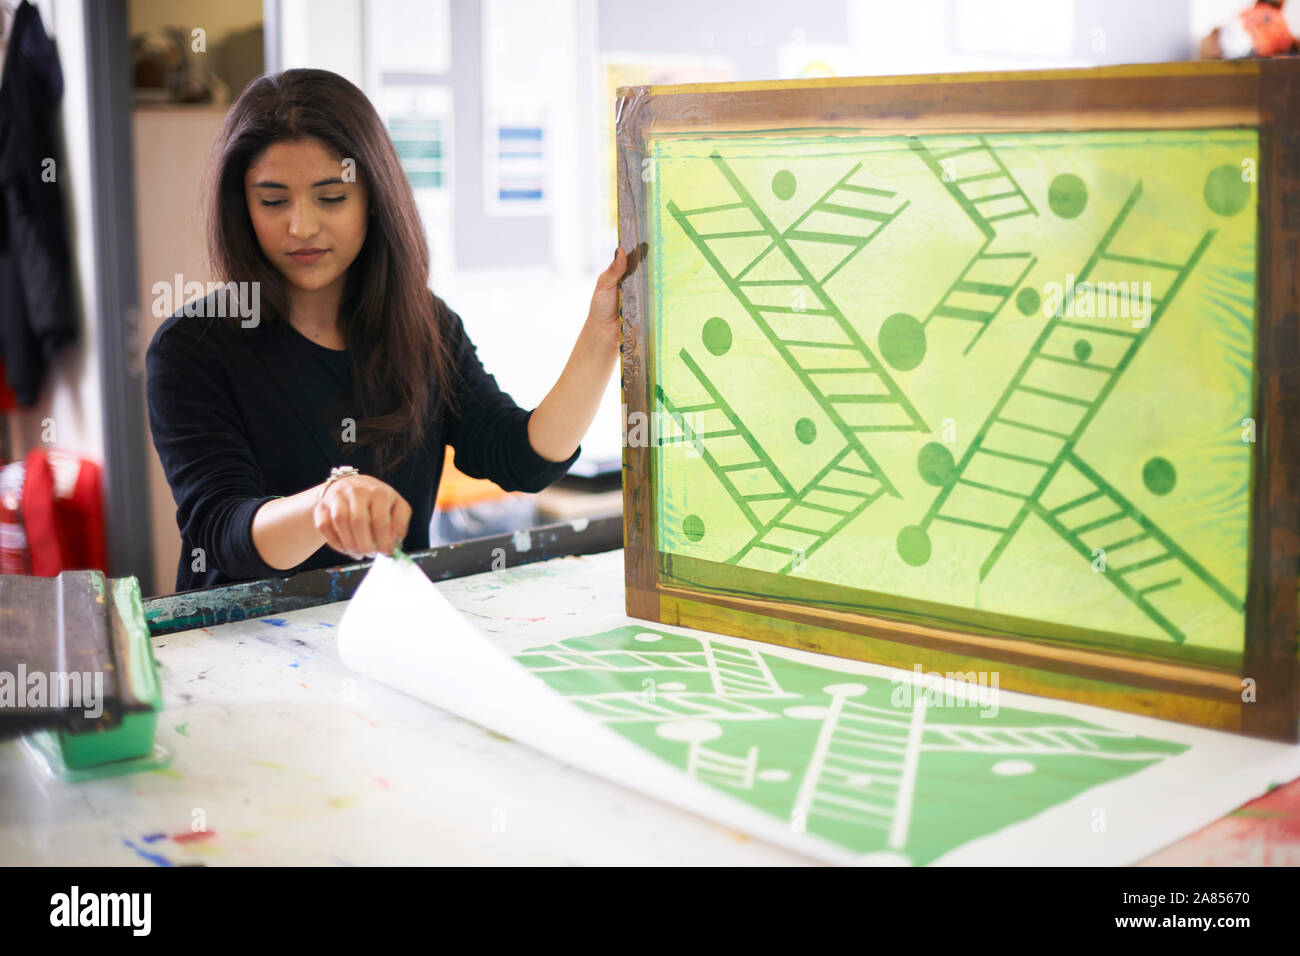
x=317, y=428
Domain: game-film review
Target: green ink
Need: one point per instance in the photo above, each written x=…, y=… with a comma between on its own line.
x=1159, y=476
x=820, y=332
x=984, y=189
x=1226, y=193
x=783, y=184
x=1067, y=196
x=935, y=465
x=902, y=341
x=1028, y=301
x=808, y=458
x=805, y=429
x=717, y=335
x=914, y=545
x=901, y=770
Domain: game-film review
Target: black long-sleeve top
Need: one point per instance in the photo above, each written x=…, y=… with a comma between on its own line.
x=240, y=416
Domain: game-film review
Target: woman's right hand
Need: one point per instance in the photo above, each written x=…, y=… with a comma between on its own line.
x=360, y=515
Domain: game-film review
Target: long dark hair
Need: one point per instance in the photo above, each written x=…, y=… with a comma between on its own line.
x=392, y=324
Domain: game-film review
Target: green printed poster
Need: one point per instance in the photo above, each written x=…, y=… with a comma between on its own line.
x=1004, y=377
x=897, y=771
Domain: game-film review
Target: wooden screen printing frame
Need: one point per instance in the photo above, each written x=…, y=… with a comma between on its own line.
x=1259, y=95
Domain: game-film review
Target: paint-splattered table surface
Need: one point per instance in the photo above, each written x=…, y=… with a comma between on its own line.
x=286, y=757
x=281, y=755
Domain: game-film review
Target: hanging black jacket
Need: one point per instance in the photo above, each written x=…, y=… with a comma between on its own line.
x=36, y=316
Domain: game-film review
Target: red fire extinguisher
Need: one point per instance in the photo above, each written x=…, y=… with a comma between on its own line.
x=14, y=555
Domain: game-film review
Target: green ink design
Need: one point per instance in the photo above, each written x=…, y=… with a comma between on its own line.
x=828, y=415
x=1226, y=192
x=1068, y=196
x=882, y=768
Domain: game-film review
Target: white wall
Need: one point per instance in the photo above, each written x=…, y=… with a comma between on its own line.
x=324, y=34
x=171, y=151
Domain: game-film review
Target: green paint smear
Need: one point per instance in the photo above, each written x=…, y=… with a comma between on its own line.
x=141, y=666
x=886, y=417
x=832, y=751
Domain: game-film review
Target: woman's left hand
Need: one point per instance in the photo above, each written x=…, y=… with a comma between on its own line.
x=557, y=425
x=604, y=301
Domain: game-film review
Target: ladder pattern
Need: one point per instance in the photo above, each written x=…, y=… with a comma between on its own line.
x=712, y=427
x=739, y=671
x=800, y=741
x=837, y=494
x=637, y=707
x=804, y=325
x=982, y=289
x=843, y=216
x=714, y=766
x=1151, y=554
x=1061, y=741
x=1036, y=426
x=559, y=658
x=987, y=193
x=866, y=761
x=864, y=765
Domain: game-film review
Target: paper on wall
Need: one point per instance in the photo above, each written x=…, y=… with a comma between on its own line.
x=522, y=52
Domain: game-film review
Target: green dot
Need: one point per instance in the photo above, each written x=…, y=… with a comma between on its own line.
x=1083, y=350
x=693, y=527
x=717, y=335
x=1159, y=476
x=914, y=545
x=902, y=341
x=1028, y=300
x=805, y=429
x=783, y=184
x=1225, y=191
x=1067, y=195
x=935, y=464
